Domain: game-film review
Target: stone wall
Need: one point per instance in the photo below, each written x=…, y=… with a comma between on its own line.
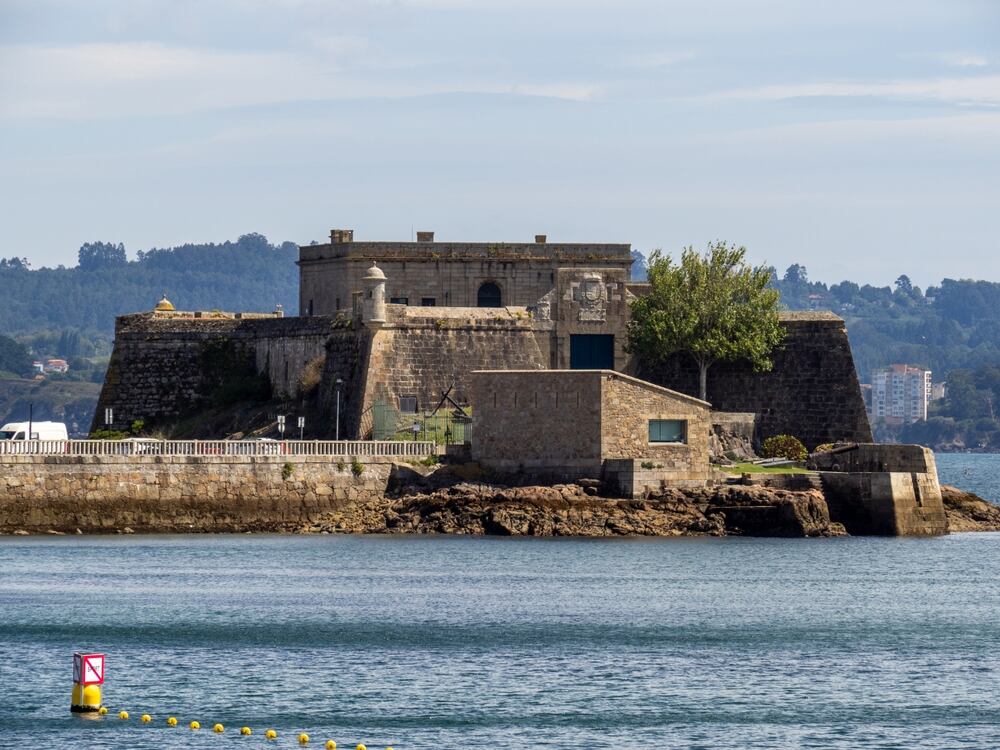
x=422, y=352
x=164, y=366
x=548, y=421
x=812, y=392
x=628, y=404
x=179, y=493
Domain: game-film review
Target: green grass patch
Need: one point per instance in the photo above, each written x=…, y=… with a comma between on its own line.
x=749, y=468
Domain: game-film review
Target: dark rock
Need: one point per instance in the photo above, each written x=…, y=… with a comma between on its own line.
x=967, y=511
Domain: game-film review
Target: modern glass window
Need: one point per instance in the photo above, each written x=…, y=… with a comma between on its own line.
x=667, y=431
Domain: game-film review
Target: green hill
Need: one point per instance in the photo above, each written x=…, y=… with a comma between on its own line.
x=250, y=275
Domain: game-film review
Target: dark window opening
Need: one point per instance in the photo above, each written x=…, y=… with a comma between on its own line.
x=408, y=404
x=399, y=300
x=428, y=302
x=667, y=431
x=310, y=309
x=489, y=295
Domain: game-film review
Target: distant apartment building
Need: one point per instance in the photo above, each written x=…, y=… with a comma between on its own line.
x=899, y=394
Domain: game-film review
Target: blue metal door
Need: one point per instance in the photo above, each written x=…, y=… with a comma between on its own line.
x=592, y=352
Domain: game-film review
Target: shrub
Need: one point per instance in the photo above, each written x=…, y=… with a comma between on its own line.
x=357, y=468
x=138, y=426
x=108, y=435
x=286, y=471
x=311, y=375
x=785, y=446
x=824, y=447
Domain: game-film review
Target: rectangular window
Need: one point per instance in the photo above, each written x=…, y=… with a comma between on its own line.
x=408, y=404
x=667, y=431
x=428, y=302
x=399, y=300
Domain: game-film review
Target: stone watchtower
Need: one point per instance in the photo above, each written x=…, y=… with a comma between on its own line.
x=374, y=302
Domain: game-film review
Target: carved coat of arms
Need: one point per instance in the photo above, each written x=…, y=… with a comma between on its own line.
x=593, y=299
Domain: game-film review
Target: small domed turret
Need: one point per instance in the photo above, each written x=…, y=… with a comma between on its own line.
x=164, y=305
x=373, y=313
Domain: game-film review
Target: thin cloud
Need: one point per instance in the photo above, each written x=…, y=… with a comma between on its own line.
x=980, y=90
x=964, y=60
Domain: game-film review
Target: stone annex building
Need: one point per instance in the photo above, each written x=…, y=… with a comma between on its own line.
x=401, y=322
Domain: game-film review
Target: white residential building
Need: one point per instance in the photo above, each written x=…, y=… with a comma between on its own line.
x=900, y=394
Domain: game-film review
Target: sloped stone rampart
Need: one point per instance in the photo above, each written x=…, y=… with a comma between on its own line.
x=812, y=392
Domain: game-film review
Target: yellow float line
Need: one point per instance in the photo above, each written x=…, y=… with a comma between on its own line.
x=270, y=734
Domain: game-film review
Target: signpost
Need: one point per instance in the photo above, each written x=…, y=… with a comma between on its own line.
x=109, y=417
x=281, y=425
x=302, y=427
x=88, y=669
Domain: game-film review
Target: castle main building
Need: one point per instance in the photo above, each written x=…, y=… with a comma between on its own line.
x=576, y=293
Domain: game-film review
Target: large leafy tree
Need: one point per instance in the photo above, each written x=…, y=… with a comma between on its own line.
x=714, y=306
x=13, y=356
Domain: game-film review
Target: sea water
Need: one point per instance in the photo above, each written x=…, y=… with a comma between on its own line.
x=461, y=642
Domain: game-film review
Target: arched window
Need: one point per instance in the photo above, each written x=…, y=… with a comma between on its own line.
x=489, y=295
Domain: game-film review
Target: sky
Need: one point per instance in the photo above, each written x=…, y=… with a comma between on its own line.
x=858, y=138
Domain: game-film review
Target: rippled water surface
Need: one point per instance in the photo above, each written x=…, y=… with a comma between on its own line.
x=489, y=643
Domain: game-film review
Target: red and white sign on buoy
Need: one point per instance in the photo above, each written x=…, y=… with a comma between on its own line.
x=88, y=669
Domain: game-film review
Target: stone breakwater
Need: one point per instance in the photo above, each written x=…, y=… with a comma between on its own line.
x=60, y=494
x=43, y=494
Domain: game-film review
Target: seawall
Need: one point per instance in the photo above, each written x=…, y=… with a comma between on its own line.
x=181, y=493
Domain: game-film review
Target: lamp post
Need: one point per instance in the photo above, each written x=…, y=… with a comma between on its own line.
x=337, y=429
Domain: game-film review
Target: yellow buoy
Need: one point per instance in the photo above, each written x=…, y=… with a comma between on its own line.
x=331, y=745
x=171, y=722
x=103, y=710
x=123, y=714
x=361, y=747
x=195, y=725
x=246, y=730
x=303, y=739
x=218, y=729
x=271, y=734
x=146, y=718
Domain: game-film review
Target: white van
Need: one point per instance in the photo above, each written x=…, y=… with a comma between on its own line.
x=39, y=431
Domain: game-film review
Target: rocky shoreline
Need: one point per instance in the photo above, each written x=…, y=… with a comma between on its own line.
x=450, y=500
x=575, y=510
x=967, y=511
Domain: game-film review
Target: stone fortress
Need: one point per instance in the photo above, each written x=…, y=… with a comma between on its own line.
x=530, y=336
x=402, y=322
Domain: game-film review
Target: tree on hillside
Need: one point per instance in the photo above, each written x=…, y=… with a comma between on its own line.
x=638, y=266
x=14, y=356
x=94, y=256
x=714, y=306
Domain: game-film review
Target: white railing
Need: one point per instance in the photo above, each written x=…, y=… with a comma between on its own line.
x=149, y=447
